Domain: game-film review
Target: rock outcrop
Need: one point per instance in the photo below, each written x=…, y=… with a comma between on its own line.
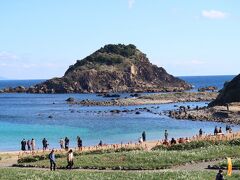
x=113, y=68
x=230, y=93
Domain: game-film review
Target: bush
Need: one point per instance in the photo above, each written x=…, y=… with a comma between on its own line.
x=188, y=146
x=234, y=142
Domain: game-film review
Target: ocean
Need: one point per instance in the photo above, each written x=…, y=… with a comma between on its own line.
x=27, y=116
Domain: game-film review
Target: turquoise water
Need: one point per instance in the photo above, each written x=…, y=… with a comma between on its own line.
x=26, y=116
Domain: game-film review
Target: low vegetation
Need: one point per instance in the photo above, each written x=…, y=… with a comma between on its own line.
x=159, y=158
x=15, y=174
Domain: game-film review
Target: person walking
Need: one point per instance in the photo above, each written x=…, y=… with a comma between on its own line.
x=33, y=144
x=200, y=132
x=70, y=159
x=66, y=143
x=165, y=135
x=23, y=145
x=52, y=160
x=61, y=142
x=144, y=136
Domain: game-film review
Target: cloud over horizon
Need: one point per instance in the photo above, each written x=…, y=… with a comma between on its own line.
x=130, y=3
x=214, y=14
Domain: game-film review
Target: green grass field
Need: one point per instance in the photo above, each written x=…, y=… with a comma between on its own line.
x=157, y=159
x=16, y=174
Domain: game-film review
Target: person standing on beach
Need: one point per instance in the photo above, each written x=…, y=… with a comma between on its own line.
x=70, y=159
x=166, y=135
x=79, y=143
x=44, y=143
x=61, y=142
x=29, y=145
x=220, y=130
x=215, y=130
x=200, y=132
x=33, y=144
x=23, y=145
x=100, y=143
x=52, y=160
x=144, y=136
x=66, y=143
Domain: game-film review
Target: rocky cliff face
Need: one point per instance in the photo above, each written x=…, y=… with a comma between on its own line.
x=113, y=68
x=230, y=93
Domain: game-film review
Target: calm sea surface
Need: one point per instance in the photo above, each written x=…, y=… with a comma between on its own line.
x=26, y=116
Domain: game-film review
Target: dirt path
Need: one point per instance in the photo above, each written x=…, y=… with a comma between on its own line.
x=8, y=162
x=196, y=166
x=200, y=166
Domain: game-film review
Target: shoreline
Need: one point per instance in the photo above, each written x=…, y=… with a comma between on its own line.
x=225, y=114
x=147, y=146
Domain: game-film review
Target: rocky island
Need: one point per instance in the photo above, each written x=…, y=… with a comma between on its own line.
x=113, y=68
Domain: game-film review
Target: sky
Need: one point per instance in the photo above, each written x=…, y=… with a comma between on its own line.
x=40, y=39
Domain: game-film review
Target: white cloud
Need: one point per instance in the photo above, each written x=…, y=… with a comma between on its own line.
x=7, y=56
x=214, y=14
x=130, y=3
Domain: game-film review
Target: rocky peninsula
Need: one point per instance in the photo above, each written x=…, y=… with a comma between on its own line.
x=225, y=108
x=112, y=68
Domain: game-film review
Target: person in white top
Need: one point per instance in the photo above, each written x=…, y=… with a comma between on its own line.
x=70, y=159
x=33, y=144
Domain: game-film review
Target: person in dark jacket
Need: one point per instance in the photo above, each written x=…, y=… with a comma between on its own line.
x=100, y=143
x=66, y=143
x=23, y=145
x=29, y=145
x=52, y=160
x=215, y=130
x=79, y=143
x=200, y=132
x=144, y=136
x=220, y=175
x=173, y=141
x=44, y=143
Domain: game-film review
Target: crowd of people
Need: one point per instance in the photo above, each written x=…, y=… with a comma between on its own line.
x=28, y=145
x=64, y=144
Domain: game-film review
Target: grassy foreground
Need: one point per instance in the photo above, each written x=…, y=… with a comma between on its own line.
x=157, y=159
x=39, y=174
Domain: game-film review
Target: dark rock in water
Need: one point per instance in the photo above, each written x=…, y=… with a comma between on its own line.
x=135, y=95
x=137, y=112
x=208, y=88
x=111, y=95
x=115, y=111
x=50, y=117
x=70, y=99
x=113, y=68
x=229, y=93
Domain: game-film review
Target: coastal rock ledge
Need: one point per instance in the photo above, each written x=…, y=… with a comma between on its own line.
x=229, y=94
x=113, y=68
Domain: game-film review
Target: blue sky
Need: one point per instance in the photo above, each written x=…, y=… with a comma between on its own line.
x=39, y=39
